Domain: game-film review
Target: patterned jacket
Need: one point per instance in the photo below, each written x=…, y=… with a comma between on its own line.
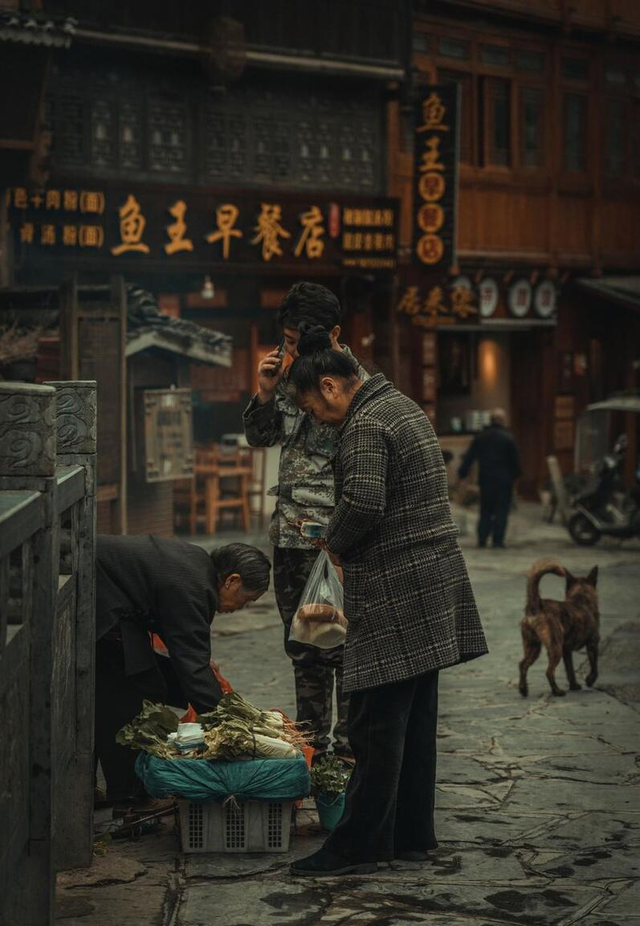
x=305, y=477
x=408, y=598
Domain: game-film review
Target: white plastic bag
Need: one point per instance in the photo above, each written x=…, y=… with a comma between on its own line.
x=319, y=620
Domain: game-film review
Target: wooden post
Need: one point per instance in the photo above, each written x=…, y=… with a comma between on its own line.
x=4, y=238
x=27, y=462
x=69, y=330
x=76, y=420
x=119, y=301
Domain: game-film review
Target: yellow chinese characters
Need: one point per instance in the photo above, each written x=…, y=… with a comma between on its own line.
x=27, y=232
x=92, y=201
x=410, y=302
x=53, y=199
x=433, y=113
x=47, y=234
x=132, y=225
x=462, y=302
x=430, y=157
x=433, y=303
x=91, y=236
x=226, y=218
x=430, y=249
x=70, y=200
x=178, y=229
x=310, y=240
x=270, y=231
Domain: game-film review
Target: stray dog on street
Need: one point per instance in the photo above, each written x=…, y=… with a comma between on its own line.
x=560, y=626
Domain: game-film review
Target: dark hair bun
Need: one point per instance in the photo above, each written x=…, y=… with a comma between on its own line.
x=313, y=339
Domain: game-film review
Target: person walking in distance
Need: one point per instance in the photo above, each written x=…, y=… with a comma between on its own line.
x=305, y=491
x=498, y=459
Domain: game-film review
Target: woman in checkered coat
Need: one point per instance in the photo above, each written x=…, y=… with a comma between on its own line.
x=408, y=600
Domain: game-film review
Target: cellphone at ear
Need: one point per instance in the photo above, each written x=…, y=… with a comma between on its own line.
x=280, y=355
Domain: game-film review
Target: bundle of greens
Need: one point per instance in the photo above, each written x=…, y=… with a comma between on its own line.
x=330, y=777
x=237, y=740
x=233, y=709
x=234, y=730
x=150, y=729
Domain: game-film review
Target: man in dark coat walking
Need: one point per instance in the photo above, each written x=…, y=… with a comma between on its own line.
x=408, y=601
x=499, y=466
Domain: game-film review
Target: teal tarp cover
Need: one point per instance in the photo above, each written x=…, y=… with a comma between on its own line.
x=202, y=780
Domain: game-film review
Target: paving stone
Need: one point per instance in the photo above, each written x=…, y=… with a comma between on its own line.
x=454, y=864
x=493, y=829
x=597, y=769
x=594, y=864
x=255, y=903
x=565, y=796
x=105, y=869
x=547, y=906
x=599, y=829
x=224, y=865
x=626, y=902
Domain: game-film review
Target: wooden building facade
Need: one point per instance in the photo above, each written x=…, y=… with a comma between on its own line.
x=214, y=154
x=548, y=200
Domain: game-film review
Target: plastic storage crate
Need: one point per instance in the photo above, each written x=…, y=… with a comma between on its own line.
x=254, y=826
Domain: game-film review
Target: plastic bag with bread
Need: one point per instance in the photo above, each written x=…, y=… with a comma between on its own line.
x=319, y=620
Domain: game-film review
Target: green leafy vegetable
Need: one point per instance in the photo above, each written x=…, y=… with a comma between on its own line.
x=330, y=776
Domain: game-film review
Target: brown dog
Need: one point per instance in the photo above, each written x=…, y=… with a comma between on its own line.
x=560, y=626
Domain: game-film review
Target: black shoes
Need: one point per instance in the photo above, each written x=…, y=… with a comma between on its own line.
x=325, y=864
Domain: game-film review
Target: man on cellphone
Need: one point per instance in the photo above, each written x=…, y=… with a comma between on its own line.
x=305, y=491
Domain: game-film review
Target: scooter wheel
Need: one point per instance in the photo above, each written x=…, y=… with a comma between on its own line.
x=583, y=531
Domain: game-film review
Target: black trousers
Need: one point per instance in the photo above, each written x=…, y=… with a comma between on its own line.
x=391, y=795
x=119, y=698
x=495, y=503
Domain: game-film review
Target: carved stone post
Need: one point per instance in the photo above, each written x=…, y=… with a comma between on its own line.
x=27, y=433
x=27, y=462
x=76, y=445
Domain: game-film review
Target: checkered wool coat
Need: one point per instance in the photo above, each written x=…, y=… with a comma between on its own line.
x=408, y=598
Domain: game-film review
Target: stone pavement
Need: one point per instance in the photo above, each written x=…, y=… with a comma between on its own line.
x=538, y=815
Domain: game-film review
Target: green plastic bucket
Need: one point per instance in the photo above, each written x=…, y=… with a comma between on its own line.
x=330, y=810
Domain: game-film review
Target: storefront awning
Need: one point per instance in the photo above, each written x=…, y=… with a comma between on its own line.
x=147, y=327
x=623, y=291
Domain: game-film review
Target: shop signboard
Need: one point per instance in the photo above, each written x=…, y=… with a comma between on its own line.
x=194, y=228
x=427, y=294
x=432, y=303
x=436, y=157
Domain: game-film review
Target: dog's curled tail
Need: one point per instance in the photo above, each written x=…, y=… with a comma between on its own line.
x=540, y=568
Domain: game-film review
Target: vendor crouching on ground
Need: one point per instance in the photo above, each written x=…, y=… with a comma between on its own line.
x=148, y=585
x=408, y=600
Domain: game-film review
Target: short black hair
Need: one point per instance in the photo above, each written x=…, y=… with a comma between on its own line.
x=317, y=359
x=251, y=564
x=312, y=303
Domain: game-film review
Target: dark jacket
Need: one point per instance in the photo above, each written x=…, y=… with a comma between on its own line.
x=408, y=598
x=152, y=585
x=497, y=454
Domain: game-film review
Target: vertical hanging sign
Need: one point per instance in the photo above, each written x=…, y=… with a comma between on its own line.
x=436, y=177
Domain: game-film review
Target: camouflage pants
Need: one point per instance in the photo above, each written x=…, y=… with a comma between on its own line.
x=314, y=669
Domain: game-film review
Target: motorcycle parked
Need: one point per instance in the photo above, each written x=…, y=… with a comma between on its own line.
x=598, y=513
